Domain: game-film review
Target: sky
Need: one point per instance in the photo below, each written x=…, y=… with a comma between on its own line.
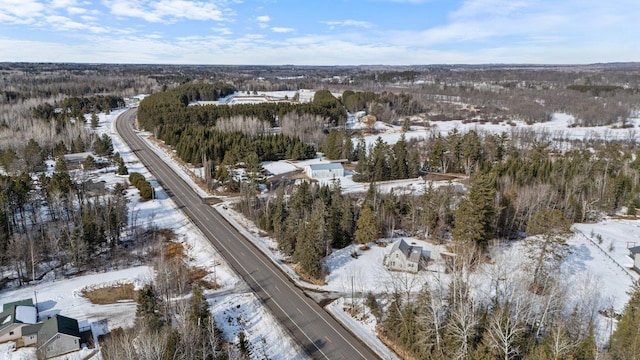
x=320, y=32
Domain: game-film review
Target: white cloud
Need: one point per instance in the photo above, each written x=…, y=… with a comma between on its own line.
x=66, y=24
x=282, y=29
x=479, y=8
x=355, y=23
x=263, y=18
x=222, y=30
x=63, y=3
x=73, y=10
x=20, y=11
x=165, y=10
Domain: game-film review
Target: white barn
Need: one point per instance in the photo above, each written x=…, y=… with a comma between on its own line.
x=324, y=171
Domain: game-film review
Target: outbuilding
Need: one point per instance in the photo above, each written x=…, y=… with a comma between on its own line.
x=324, y=170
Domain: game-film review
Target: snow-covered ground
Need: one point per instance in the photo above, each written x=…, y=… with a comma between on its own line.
x=560, y=126
x=63, y=296
x=236, y=310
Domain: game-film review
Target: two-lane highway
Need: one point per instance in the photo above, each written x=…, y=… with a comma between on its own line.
x=319, y=334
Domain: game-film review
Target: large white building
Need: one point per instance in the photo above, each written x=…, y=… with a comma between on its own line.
x=324, y=171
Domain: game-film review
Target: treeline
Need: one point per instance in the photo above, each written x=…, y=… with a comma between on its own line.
x=76, y=107
x=171, y=107
x=381, y=162
x=307, y=225
x=386, y=106
x=55, y=223
x=191, y=142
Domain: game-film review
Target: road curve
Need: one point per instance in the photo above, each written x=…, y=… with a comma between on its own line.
x=317, y=332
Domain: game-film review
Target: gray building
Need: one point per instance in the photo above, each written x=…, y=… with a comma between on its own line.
x=58, y=335
x=635, y=255
x=324, y=171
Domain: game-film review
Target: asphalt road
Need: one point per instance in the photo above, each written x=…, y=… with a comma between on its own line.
x=317, y=332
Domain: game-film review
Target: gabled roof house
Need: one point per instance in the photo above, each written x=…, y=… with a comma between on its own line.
x=405, y=257
x=58, y=335
x=14, y=317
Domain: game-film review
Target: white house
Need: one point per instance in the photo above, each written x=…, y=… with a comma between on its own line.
x=324, y=171
x=404, y=257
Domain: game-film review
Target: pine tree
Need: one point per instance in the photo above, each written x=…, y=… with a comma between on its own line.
x=366, y=228
x=547, y=251
x=148, y=308
x=625, y=342
x=309, y=245
x=94, y=120
x=199, y=314
x=475, y=216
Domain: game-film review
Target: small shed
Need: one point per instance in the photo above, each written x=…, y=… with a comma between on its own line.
x=324, y=170
x=405, y=257
x=634, y=253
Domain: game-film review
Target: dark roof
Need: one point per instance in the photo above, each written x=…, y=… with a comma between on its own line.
x=23, y=302
x=412, y=253
x=634, y=250
x=6, y=318
x=58, y=324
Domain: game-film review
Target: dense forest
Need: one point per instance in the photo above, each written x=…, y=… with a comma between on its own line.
x=518, y=184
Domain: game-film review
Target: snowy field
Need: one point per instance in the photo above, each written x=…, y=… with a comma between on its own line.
x=560, y=126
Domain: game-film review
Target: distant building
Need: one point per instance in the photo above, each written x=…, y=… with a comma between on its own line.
x=204, y=103
x=324, y=171
x=404, y=257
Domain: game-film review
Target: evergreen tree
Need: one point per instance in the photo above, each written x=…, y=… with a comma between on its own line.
x=366, y=228
x=308, y=251
x=546, y=251
x=33, y=157
x=94, y=120
x=199, y=313
x=475, y=216
x=148, y=308
x=625, y=342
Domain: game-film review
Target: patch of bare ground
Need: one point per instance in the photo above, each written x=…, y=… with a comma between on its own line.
x=197, y=276
x=442, y=177
x=403, y=354
x=175, y=253
x=306, y=278
x=111, y=294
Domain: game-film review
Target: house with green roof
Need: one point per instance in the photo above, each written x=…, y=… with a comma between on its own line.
x=58, y=335
x=54, y=336
x=14, y=317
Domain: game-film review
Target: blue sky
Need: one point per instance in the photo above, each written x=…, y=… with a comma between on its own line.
x=326, y=32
